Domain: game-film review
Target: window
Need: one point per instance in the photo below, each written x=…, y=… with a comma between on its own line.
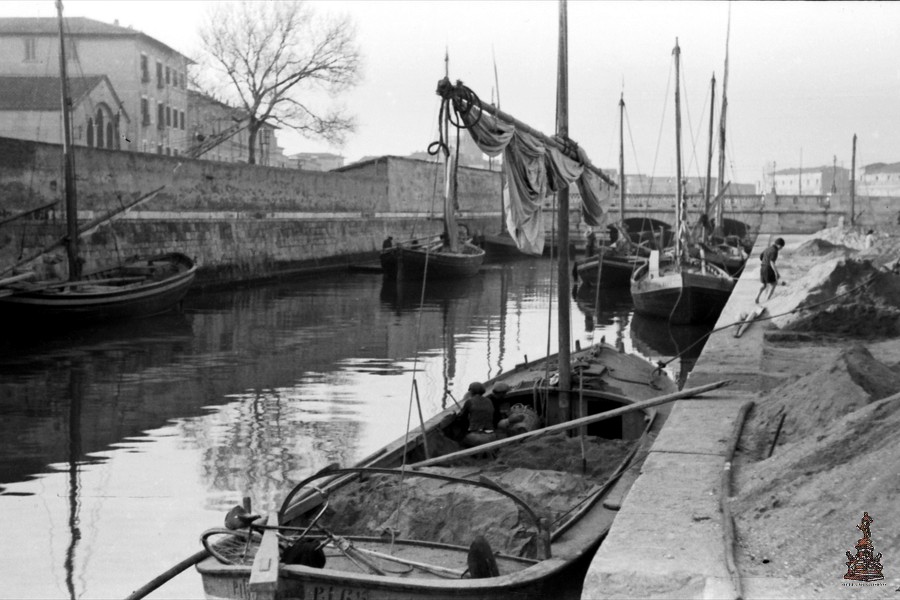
x=168, y=116
x=90, y=132
x=160, y=116
x=71, y=53
x=30, y=49
x=159, y=75
x=100, y=129
x=145, y=111
x=159, y=149
x=182, y=120
x=168, y=151
x=145, y=69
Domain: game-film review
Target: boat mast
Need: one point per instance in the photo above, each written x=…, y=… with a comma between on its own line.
x=68, y=160
x=622, y=160
x=719, y=229
x=679, y=196
x=451, y=232
x=502, y=176
x=562, y=128
x=712, y=112
x=853, y=184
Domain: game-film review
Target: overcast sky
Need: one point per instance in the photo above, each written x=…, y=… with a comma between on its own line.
x=803, y=76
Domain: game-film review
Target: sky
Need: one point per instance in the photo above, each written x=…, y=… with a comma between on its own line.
x=804, y=77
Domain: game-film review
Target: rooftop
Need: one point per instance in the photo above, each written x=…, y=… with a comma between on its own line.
x=42, y=93
x=74, y=26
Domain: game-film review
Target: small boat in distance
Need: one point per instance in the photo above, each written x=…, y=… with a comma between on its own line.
x=137, y=287
x=614, y=263
x=432, y=258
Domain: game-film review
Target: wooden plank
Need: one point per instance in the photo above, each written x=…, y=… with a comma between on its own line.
x=686, y=393
x=747, y=321
x=264, y=573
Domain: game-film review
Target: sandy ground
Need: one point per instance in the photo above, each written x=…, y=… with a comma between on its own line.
x=822, y=444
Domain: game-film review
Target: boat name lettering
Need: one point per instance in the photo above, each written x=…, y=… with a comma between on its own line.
x=335, y=592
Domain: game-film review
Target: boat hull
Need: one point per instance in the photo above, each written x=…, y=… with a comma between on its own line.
x=146, y=287
x=411, y=264
x=616, y=269
x=682, y=295
x=572, y=541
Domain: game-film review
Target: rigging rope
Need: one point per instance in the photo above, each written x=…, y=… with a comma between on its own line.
x=663, y=364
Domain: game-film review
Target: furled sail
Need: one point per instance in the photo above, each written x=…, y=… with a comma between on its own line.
x=533, y=169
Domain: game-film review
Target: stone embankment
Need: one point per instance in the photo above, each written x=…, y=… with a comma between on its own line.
x=802, y=443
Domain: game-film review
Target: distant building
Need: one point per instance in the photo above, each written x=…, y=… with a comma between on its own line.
x=814, y=181
x=316, y=161
x=879, y=179
x=149, y=78
x=218, y=131
x=30, y=109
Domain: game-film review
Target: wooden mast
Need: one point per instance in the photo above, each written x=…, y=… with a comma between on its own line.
x=719, y=229
x=679, y=196
x=622, y=161
x=562, y=128
x=68, y=160
x=853, y=184
x=712, y=112
x=451, y=231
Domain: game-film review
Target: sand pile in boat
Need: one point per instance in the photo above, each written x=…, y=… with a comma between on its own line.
x=545, y=472
x=837, y=456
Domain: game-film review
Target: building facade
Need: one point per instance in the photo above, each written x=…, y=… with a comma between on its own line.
x=217, y=131
x=147, y=77
x=30, y=110
x=316, y=161
x=815, y=181
x=879, y=179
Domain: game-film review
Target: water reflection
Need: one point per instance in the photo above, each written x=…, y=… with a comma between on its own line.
x=119, y=445
x=656, y=338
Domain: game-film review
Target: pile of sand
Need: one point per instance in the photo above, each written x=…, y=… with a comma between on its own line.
x=545, y=472
x=838, y=455
x=849, y=297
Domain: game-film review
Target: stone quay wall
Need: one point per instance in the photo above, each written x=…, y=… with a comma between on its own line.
x=242, y=222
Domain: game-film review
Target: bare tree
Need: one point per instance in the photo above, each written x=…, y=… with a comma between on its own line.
x=275, y=57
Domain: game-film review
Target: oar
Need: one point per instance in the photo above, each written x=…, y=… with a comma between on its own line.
x=164, y=577
x=576, y=422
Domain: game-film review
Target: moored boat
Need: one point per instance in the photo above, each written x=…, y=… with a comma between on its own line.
x=433, y=260
x=425, y=484
x=139, y=287
x=687, y=290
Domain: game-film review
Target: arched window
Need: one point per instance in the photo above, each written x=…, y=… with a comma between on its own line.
x=118, y=136
x=110, y=136
x=99, y=128
x=90, y=132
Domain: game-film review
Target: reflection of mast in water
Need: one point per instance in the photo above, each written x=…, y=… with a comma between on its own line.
x=504, y=297
x=74, y=451
x=449, y=343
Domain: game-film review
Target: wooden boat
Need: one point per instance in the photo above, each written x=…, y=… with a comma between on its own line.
x=688, y=290
x=531, y=559
x=139, y=287
x=432, y=260
x=720, y=248
x=615, y=263
x=136, y=288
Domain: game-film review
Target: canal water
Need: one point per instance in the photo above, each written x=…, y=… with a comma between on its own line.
x=121, y=445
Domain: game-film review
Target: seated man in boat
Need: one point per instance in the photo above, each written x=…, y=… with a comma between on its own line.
x=479, y=411
x=500, y=403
